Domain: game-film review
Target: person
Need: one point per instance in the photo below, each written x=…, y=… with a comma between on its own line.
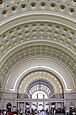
x=43, y=113
x=15, y=113
x=54, y=111
x=27, y=112
x=0, y=112
x=32, y=111
x=9, y=113
x=67, y=111
x=35, y=112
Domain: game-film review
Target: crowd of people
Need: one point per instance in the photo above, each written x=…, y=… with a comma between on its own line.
x=35, y=112
x=19, y=112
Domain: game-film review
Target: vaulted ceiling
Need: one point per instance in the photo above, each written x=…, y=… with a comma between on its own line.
x=37, y=35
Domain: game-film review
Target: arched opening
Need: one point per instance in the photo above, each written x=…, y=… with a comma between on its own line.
x=40, y=85
x=39, y=105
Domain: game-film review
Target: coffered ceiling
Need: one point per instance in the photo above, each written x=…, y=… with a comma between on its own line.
x=37, y=28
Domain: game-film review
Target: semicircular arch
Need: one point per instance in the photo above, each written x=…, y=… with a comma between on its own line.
x=37, y=64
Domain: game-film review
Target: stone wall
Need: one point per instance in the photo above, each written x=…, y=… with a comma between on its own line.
x=7, y=97
x=70, y=99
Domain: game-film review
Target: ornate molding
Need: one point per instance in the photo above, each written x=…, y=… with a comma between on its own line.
x=38, y=50
x=52, y=82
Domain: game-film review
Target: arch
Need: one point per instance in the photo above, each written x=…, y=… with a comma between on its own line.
x=50, y=80
x=37, y=64
x=42, y=47
x=40, y=82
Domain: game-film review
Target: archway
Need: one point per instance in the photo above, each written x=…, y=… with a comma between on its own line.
x=39, y=85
